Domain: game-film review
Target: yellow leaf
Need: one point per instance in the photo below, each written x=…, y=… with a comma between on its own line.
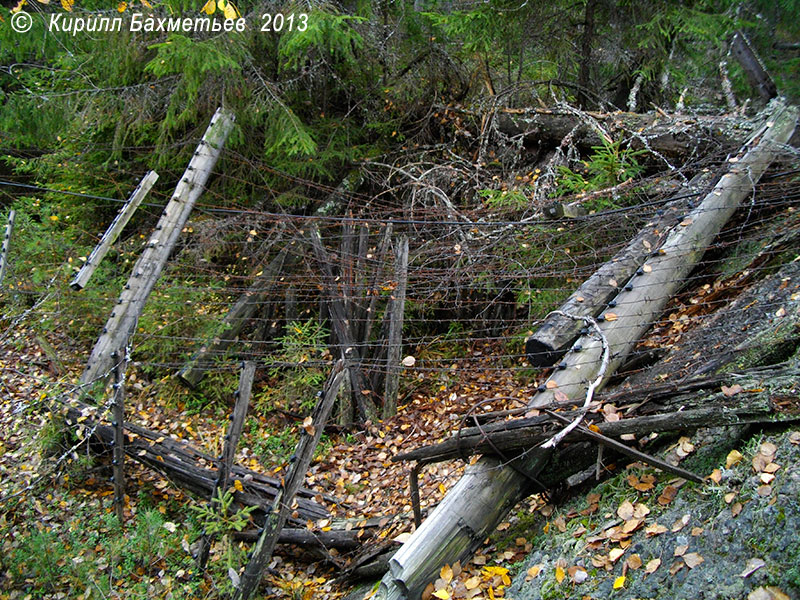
x=443, y=594
x=472, y=583
x=619, y=582
x=734, y=456
x=238, y=485
x=67, y=5
x=610, y=316
x=446, y=573
x=54, y=218
x=122, y=6
x=209, y=7
x=560, y=574
x=230, y=11
x=442, y=489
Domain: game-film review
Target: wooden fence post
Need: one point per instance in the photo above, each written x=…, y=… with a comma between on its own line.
x=229, y=448
x=4, y=247
x=396, y=329
x=309, y=438
x=118, y=456
x=112, y=233
x=125, y=314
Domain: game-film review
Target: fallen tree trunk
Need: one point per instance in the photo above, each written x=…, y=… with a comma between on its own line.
x=556, y=334
x=667, y=135
x=488, y=489
x=191, y=469
x=678, y=414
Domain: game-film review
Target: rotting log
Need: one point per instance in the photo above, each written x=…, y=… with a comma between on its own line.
x=189, y=468
x=671, y=136
x=242, y=311
x=488, y=489
x=114, y=229
x=517, y=435
x=557, y=333
x=125, y=314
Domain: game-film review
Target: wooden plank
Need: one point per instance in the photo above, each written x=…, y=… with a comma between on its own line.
x=342, y=327
x=12, y=214
x=125, y=314
x=309, y=438
x=229, y=449
x=393, y=365
x=477, y=503
x=114, y=229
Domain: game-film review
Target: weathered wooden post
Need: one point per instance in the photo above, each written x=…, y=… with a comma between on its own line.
x=396, y=329
x=229, y=448
x=309, y=438
x=118, y=411
x=6, y=241
x=556, y=333
x=129, y=306
x=114, y=229
x=488, y=489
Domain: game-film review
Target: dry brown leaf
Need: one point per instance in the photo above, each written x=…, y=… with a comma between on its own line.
x=764, y=490
x=634, y=561
x=668, y=495
x=560, y=396
x=734, y=456
x=652, y=565
x=640, y=511
x=736, y=508
x=768, y=449
x=729, y=497
x=609, y=316
x=625, y=511
x=681, y=523
x=693, y=559
x=732, y=390
x=655, y=529
x=615, y=554
x=680, y=550
x=716, y=476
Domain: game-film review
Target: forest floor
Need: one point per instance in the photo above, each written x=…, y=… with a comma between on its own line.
x=59, y=537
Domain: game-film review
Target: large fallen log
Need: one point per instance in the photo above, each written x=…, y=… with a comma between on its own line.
x=670, y=135
x=191, y=469
x=556, y=333
x=488, y=489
